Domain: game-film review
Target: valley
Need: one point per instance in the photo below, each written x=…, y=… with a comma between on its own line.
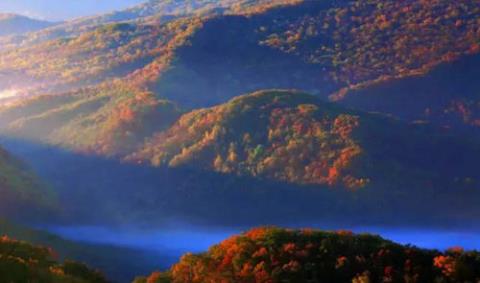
x=132, y=139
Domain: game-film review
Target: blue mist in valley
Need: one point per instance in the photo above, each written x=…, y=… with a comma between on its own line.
x=149, y=209
x=175, y=241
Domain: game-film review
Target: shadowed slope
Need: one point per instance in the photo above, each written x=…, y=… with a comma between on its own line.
x=24, y=262
x=23, y=194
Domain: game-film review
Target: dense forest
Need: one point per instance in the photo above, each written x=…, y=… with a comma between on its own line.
x=256, y=149
x=295, y=137
x=239, y=113
x=23, y=262
x=121, y=74
x=280, y=255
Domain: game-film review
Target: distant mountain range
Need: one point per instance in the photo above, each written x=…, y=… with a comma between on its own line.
x=328, y=48
x=250, y=111
x=157, y=11
x=158, y=85
x=11, y=24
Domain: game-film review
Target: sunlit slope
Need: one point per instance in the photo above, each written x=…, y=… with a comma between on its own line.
x=22, y=192
x=117, y=263
x=107, y=121
x=159, y=11
x=276, y=152
x=91, y=50
x=321, y=47
x=281, y=255
x=295, y=137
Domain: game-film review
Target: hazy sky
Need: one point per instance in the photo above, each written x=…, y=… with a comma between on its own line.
x=63, y=9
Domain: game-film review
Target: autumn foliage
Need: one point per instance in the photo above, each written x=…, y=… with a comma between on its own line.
x=23, y=262
x=281, y=135
x=283, y=255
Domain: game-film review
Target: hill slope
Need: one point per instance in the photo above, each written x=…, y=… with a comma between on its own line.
x=321, y=47
x=447, y=97
x=117, y=263
x=318, y=46
x=100, y=48
x=280, y=255
x=295, y=137
x=22, y=192
x=24, y=262
x=294, y=44
x=158, y=11
x=259, y=134
x=108, y=122
x=11, y=24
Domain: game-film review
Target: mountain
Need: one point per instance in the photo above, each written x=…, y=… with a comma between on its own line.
x=107, y=122
x=285, y=155
x=160, y=11
x=135, y=88
x=117, y=263
x=24, y=262
x=11, y=24
x=306, y=45
x=282, y=255
x=281, y=135
x=447, y=97
x=323, y=47
x=107, y=48
x=295, y=137
x=23, y=193
x=284, y=135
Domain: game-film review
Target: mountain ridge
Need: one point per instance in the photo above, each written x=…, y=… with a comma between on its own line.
x=14, y=24
x=306, y=37
x=295, y=137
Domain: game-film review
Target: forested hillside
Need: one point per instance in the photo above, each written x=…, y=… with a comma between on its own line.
x=322, y=46
x=282, y=255
x=328, y=48
x=126, y=89
x=119, y=264
x=239, y=113
x=108, y=122
x=20, y=188
x=109, y=49
x=158, y=11
x=24, y=262
x=294, y=137
x=446, y=97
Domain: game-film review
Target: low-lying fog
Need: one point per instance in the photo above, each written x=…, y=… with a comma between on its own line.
x=177, y=240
